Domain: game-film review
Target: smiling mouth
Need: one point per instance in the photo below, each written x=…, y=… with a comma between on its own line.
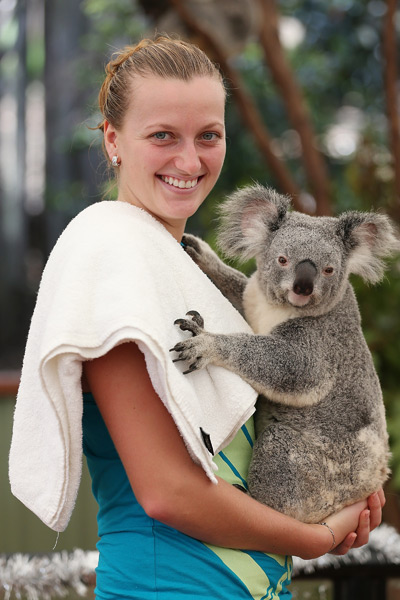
x=180, y=183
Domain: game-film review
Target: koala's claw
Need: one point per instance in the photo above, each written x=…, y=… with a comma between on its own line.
x=190, y=242
x=187, y=352
x=196, y=317
x=191, y=247
x=193, y=349
x=192, y=367
x=177, y=348
x=195, y=325
x=182, y=323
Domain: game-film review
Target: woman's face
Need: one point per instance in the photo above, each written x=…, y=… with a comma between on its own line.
x=171, y=146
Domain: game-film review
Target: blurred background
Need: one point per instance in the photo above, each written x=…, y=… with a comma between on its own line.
x=313, y=110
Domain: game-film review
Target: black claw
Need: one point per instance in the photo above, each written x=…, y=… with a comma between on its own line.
x=197, y=318
x=184, y=324
x=179, y=321
x=178, y=347
x=190, y=243
x=191, y=368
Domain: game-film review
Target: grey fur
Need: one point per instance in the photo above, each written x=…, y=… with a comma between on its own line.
x=321, y=432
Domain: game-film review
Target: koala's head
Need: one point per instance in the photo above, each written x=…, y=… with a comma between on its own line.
x=303, y=261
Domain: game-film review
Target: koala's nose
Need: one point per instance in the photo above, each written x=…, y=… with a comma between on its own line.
x=304, y=278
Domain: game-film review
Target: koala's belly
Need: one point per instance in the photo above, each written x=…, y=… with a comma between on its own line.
x=308, y=478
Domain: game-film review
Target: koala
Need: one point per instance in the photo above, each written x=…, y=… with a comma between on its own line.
x=321, y=438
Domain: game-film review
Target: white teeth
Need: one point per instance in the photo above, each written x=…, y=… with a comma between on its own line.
x=180, y=183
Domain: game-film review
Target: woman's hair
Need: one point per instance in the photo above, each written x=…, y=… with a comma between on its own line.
x=164, y=56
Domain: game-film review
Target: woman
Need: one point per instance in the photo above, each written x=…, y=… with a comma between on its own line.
x=166, y=530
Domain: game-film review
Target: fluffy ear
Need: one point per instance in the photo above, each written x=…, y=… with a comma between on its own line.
x=248, y=217
x=368, y=238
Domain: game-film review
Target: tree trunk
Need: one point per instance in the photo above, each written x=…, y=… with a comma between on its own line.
x=295, y=104
x=70, y=171
x=13, y=223
x=390, y=57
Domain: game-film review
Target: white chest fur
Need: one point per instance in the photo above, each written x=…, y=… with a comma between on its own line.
x=260, y=314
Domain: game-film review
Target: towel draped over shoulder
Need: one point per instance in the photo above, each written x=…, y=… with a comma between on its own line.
x=115, y=275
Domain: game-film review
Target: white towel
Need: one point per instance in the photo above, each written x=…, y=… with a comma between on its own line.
x=115, y=274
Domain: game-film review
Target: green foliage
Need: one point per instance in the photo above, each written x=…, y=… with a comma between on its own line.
x=112, y=24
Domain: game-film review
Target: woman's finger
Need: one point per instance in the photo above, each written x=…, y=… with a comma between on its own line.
x=375, y=503
x=346, y=545
x=363, y=529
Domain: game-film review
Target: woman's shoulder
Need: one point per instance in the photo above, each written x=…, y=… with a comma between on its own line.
x=106, y=213
x=104, y=225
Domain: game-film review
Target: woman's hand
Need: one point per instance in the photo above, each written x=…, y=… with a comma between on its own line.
x=369, y=518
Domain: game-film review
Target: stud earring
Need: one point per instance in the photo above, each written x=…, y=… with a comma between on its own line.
x=115, y=162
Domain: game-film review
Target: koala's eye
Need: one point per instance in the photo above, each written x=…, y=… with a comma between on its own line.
x=328, y=271
x=282, y=260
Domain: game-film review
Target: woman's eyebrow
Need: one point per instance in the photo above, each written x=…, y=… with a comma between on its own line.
x=166, y=126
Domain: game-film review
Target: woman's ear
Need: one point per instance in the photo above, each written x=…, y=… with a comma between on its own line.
x=110, y=139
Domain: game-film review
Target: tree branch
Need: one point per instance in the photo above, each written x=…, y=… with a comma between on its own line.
x=390, y=74
x=296, y=107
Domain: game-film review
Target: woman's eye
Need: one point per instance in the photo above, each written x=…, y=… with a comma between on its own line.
x=282, y=260
x=161, y=135
x=210, y=136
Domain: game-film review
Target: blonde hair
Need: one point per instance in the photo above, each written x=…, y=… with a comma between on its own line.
x=164, y=56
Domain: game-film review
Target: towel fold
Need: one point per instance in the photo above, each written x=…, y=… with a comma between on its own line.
x=115, y=275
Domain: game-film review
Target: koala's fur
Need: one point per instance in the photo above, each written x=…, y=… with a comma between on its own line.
x=320, y=421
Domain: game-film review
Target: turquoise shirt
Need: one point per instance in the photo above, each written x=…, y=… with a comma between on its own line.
x=142, y=559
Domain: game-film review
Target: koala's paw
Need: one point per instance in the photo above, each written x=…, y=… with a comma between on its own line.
x=191, y=245
x=195, y=325
x=193, y=350
x=198, y=250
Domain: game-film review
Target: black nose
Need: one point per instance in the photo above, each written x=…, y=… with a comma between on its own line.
x=305, y=275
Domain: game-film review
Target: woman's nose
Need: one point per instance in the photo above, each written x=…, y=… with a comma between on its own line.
x=187, y=159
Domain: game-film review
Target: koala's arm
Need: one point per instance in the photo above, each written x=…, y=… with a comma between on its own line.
x=229, y=281
x=284, y=369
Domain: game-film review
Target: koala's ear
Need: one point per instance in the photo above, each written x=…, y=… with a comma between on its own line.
x=368, y=238
x=248, y=218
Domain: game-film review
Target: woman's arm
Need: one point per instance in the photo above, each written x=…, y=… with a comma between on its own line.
x=172, y=489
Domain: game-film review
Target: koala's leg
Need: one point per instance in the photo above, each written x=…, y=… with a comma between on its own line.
x=289, y=472
x=276, y=368
x=229, y=281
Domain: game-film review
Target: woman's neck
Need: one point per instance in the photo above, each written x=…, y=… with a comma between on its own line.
x=175, y=227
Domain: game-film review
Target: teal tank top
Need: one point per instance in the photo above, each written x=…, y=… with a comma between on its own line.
x=143, y=559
